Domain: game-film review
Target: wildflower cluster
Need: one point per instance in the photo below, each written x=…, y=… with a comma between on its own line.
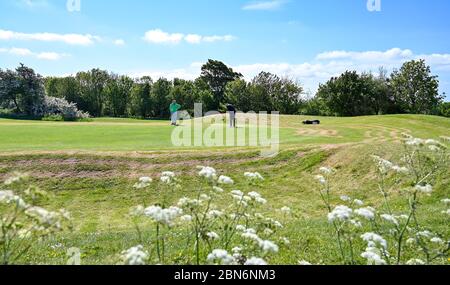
x=23, y=222
x=235, y=234
x=384, y=231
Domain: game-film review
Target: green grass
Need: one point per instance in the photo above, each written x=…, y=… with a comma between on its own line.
x=89, y=168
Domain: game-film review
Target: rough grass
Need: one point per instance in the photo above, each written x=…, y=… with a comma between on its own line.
x=89, y=169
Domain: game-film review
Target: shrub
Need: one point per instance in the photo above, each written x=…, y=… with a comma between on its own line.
x=52, y=107
x=444, y=110
x=53, y=118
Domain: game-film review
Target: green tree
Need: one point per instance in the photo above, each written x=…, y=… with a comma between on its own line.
x=216, y=74
x=238, y=94
x=117, y=95
x=92, y=85
x=415, y=90
x=161, y=98
x=23, y=88
x=444, y=109
x=350, y=94
x=140, y=101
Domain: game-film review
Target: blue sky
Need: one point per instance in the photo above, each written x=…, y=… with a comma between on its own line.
x=308, y=40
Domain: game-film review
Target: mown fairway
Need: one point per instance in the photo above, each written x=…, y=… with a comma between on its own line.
x=90, y=169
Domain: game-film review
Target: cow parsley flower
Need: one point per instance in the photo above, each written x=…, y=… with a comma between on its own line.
x=137, y=211
x=214, y=214
x=373, y=256
x=163, y=216
x=427, y=189
x=135, y=256
x=207, y=172
x=144, y=182
x=241, y=228
x=167, y=177
x=268, y=246
x=437, y=240
x=383, y=165
x=253, y=176
x=217, y=189
x=415, y=142
x=225, y=180
x=212, y=236
x=255, y=196
x=220, y=256
x=16, y=178
x=446, y=201
x=390, y=219
x=415, y=262
x=255, y=261
x=326, y=170
x=342, y=213
x=321, y=179
x=8, y=197
x=345, y=198
x=304, y=263
x=374, y=239
x=186, y=218
x=286, y=210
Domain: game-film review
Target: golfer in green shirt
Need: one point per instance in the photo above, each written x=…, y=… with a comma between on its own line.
x=174, y=108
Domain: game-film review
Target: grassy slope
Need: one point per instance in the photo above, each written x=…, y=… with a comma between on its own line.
x=97, y=188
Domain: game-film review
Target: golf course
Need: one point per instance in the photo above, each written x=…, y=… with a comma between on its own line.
x=89, y=169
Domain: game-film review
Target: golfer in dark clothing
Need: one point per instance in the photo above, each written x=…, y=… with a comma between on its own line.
x=232, y=111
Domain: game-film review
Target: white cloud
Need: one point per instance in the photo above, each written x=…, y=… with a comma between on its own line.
x=265, y=5
x=23, y=52
x=71, y=39
x=33, y=3
x=119, y=42
x=158, y=36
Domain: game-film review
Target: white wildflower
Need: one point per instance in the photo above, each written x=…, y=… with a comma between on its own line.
x=225, y=180
x=212, y=236
x=415, y=262
x=437, y=240
x=342, y=213
x=326, y=170
x=358, y=202
x=253, y=176
x=186, y=218
x=304, y=263
x=220, y=256
x=373, y=256
x=374, y=239
x=255, y=261
x=135, y=256
x=446, y=201
x=16, y=178
x=8, y=197
x=286, y=210
x=214, y=214
x=390, y=219
x=163, y=216
x=427, y=189
x=217, y=189
x=241, y=228
x=321, y=179
x=345, y=198
x=207, y=172
x=415, y=142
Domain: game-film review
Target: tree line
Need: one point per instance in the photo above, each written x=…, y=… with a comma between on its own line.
x=412, y=89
